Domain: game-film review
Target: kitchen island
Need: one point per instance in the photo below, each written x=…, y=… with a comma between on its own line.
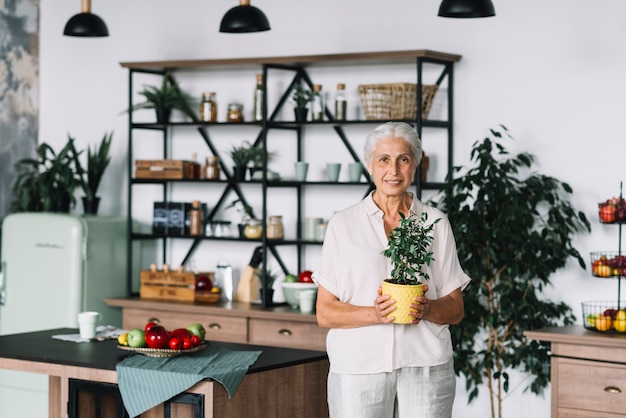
x=283, y=382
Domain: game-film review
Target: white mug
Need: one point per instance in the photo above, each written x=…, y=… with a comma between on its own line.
x=87, y=324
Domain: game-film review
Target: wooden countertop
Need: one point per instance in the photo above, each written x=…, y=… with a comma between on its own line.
x=42, y=348
x=577, y=334
x=232, y=309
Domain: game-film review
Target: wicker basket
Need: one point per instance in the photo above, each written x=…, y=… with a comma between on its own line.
x=395, y=100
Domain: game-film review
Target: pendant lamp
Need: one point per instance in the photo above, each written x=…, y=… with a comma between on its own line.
x=466, y=8
x=86, y=23
x=244, y=18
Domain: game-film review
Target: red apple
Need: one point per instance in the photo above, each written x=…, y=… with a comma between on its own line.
x=305, y=277
x=156, y=337
x=203, y=283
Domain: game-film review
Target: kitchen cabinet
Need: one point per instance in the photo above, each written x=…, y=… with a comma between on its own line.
x=279, y=326
x=299, y=69
x=588, y=372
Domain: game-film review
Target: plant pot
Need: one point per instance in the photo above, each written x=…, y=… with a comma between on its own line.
x=239, y=172
x=90, y=206
x=403, y=294
x=267, y=296
x=62, y=205
x=301, y=113
x=163, y=115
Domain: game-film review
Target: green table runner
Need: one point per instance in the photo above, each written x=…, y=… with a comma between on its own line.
x=146, y=382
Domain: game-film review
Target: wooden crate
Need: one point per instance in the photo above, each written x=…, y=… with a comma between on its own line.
x=172, y=285
x=164, y=169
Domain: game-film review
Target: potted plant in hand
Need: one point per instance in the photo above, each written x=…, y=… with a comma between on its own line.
x=301, y=97
x=241, y=157
x=164, y=99
x=409, y=250
x=47, y=183
x=97, y=162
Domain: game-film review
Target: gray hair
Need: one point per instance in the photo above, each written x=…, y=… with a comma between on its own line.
x=400, y=130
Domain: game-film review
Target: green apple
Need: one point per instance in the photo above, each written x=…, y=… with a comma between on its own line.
x=197, y=329
x=136, y=338
x=290, y=278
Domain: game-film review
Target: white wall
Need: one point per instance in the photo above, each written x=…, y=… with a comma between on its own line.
x=552, y=72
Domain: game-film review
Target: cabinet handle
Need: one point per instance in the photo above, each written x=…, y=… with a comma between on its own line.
x=612, y=389
x=215, y=326
x=285, y=332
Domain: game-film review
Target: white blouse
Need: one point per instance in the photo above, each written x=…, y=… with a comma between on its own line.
x=352, y=268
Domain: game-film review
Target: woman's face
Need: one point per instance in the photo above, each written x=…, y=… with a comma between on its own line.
x=392, y=166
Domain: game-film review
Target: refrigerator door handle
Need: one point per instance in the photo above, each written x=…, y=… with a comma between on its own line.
x=3, y=290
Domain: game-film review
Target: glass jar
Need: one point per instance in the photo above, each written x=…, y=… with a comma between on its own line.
x=208, y=107
x=253, y=229
x=212, y=168
x=275, y=228
x=235, y=112
x=341, y=105
x=317, y=103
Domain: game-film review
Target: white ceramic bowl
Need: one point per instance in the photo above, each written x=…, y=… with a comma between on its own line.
x=290, y=290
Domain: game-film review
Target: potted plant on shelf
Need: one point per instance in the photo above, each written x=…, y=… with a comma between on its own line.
x=409, y=250
x=256, y=157
x=267, y=279
x=241, y=157
x=47, y=183
x=514, y=227
x=164, y=99
x=90, y=178
x=245, y=211
x=301, y=97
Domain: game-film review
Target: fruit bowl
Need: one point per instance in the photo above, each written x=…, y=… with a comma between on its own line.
x=608, y=264
x=291, y=289
x=604, y=316
x=163, y=352
x=207, y=296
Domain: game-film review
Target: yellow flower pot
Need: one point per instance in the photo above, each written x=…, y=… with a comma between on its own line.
x=403, y=294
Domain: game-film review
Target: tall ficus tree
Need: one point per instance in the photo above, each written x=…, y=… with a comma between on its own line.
x=514, y=228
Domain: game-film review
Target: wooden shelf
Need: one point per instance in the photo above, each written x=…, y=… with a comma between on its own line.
x=303, y=60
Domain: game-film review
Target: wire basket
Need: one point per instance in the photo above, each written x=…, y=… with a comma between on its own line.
x=608, y=264
x=395, y=100
x=604, y=316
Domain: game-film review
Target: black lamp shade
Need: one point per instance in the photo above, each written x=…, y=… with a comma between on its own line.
x=87, y=25
x=244, y=18
x=466, y=8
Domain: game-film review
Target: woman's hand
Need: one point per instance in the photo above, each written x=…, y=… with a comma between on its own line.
x=420, y=307
x=384, y=305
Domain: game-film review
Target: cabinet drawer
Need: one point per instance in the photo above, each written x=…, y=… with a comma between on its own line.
x=305, y=335
x=591, y=386
x=218, y=328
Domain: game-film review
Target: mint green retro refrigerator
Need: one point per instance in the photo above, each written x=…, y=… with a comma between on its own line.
x=53, y=267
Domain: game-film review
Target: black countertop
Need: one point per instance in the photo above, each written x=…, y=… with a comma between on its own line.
x=41, y=347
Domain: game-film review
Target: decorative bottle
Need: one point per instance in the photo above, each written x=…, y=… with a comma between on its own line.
x=317, y=104
x=212, y=168
x=195, y=219
x=257, y=111
x=208, y=107
x=341, y=104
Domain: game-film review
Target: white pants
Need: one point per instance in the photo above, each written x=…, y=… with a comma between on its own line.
x=424, y=392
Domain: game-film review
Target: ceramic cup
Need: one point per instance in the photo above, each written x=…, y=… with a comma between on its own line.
x=320, y=231
x=301, y=168
x=332, y=171
x=87, y=324
x=307, y=300
x=310, y=225
x=355, y=170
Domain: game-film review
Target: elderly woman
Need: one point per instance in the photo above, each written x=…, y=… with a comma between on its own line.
x=379, y=369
